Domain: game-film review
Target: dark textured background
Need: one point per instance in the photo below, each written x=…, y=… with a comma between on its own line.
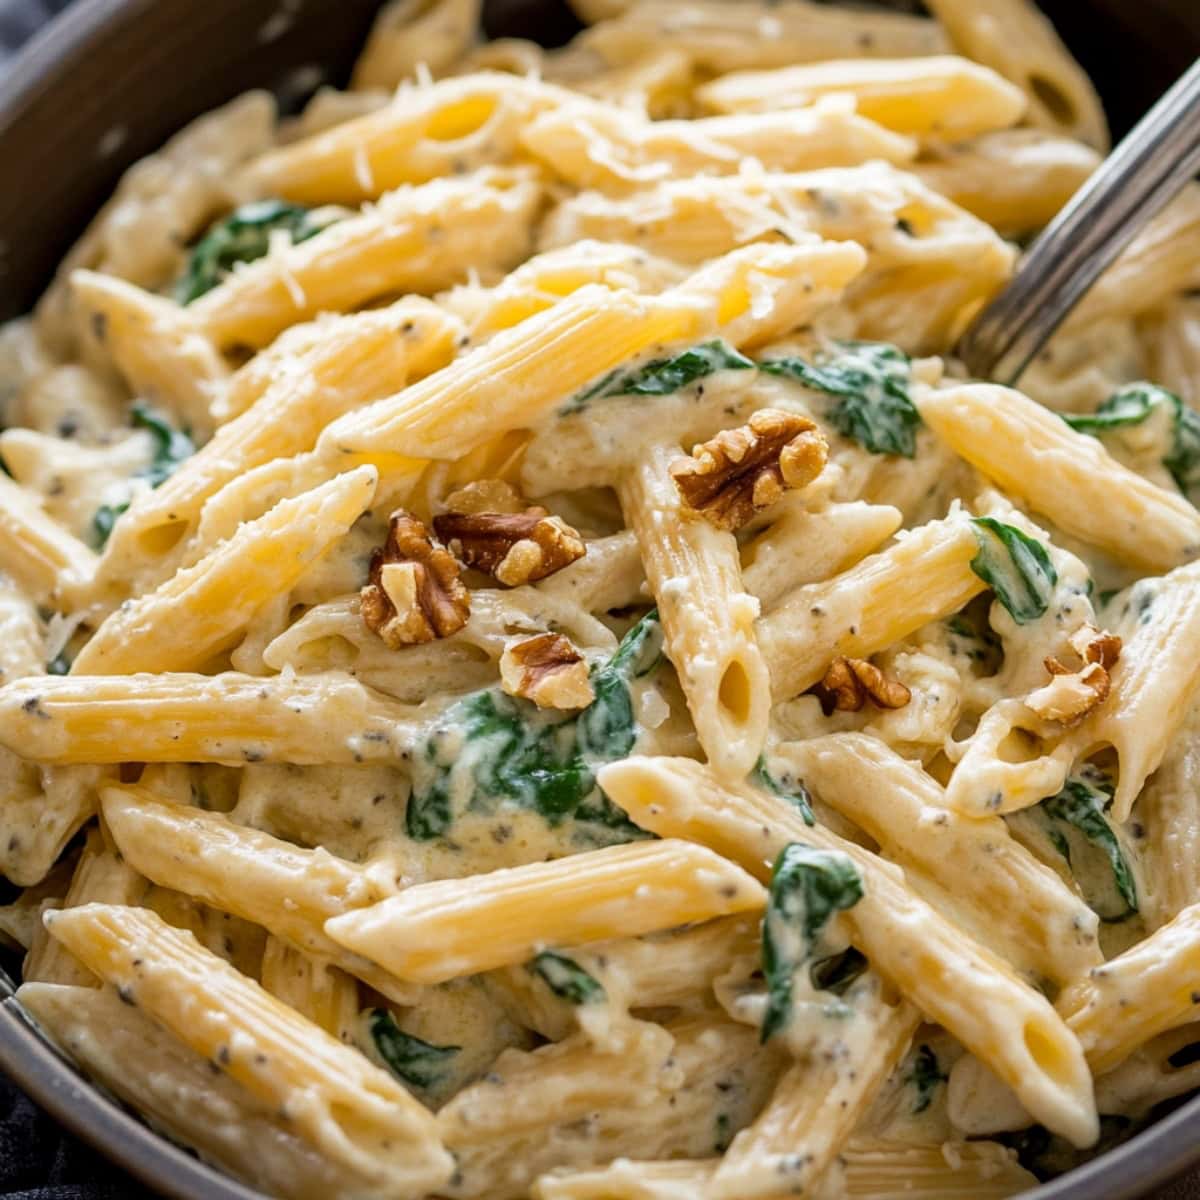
x=37, y=1160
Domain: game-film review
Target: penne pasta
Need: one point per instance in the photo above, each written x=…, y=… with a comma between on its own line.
x=1037, y=1056
x=226, y=718
x=1034, y=455
x=354, y=1113
x=202, y=610
x=721, y=670
x=924, y=575
x=428, y=933
x=416, y=239
x=1000, y=893
x=939, y=96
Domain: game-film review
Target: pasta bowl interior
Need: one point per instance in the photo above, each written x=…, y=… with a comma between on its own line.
x=529, y=670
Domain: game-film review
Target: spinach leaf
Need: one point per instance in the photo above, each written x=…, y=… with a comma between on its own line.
x=417, y=1063
x=924, y=1077
x=1131, y=406
x=1075, y=824
x=797, y=796
x=1184, y=460
x=1016, y=567
x=808, y=887
x=241, y=237
x=104, y=521
x=491, y=749
x=171, y=447
x=663, y=376
x=567, y=979
x=870, y=381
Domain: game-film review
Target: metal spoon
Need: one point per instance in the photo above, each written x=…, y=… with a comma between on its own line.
x=1154, y=161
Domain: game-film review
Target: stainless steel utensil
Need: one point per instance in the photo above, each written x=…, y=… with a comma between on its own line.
x=1149, y=167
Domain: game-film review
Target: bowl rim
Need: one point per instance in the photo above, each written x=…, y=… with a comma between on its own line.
x=34, y=1063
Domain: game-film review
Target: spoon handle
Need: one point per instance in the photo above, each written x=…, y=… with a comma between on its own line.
x=1150, y=166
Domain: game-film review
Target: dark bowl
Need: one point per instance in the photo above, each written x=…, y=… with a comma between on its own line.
x=110, y=80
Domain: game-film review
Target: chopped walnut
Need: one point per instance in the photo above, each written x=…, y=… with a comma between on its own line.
x=485, y=496
x=413, y=593
x=515, y=548
x=1075, y=690
x=851, y=682
x=742, y=471
x=548, y=670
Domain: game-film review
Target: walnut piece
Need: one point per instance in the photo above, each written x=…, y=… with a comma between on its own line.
x=1075, y=690
x=742, y=471
x=514, y=548
x=548, y=670
x=413, y=593
x=851, y=682
x=485, y=496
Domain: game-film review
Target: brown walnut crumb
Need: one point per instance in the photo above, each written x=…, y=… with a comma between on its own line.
x=413, y=593
x=1076, y=688
x=851, y=682
x=514, y=548
x=548, y=670
x=742, y=471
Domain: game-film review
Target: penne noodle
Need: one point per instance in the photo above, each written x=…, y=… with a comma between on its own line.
x=720, y=667
x=352, y=1111
x=924, y=575
x=226, y=718
x=924, y=956
x=430, y=933
x=940, y=96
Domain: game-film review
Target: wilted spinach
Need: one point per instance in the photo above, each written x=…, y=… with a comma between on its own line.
x=171, y=447
x=1132, y=405
x=242, y=237
x=796, y=795
x=418, y=1063
x=870, y=381
x=490, y=748
x=1016, y=567
x=925, y=1076
x=1075, y=824
x=808, y=887
x=567, y=979
x=663, y=376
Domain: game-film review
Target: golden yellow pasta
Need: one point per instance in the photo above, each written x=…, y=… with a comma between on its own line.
x=529, y=672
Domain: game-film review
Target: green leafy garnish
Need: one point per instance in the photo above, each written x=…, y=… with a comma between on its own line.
x=1075, y=824
x=242, y=237
x=171, y=447
x=567, y=979
x=795, y=793
x=1131, y=406
x=491, y=749
x=808, y=887
x=1016, y=567
x=418, y=1063
x=105, y=520
x=870, y=381
x=925, y=1076
x=724, y=1133
x=663, y=376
